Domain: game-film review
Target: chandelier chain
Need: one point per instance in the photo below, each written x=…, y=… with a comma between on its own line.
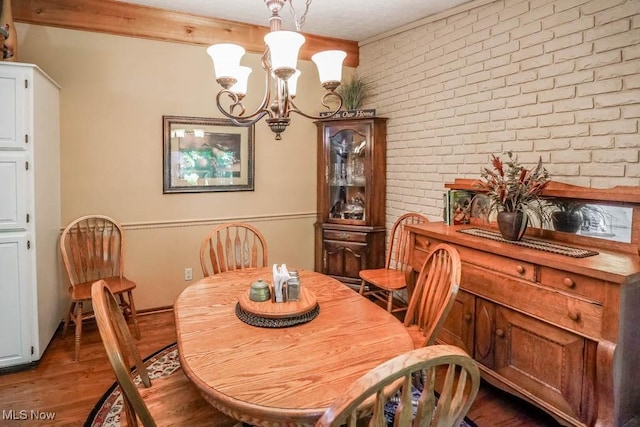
x=299, y=22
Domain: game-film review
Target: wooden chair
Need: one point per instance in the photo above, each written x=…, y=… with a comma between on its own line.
x=383, y=282
x=172, y=400
x=459, y=378
x=434, y=294
x=92, y=248
x=232, y=246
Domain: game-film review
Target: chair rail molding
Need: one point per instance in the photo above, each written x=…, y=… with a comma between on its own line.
x=144, y=225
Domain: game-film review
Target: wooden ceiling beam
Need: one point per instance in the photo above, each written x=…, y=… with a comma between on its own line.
x=124, y=19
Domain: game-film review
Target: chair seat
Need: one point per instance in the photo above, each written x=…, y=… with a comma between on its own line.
x=383, y=278
x=82, y=291
x=174, y=401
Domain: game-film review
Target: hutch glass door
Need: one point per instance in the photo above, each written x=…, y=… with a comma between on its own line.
x=346, y=175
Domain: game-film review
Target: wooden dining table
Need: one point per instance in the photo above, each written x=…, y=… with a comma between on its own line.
x=280, y=376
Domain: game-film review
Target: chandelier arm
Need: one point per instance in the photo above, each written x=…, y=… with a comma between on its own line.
x=260, y=112
x=247, y=122
x=294, y=108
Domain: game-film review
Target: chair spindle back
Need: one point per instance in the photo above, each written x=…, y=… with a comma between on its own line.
x=92, y=247
x=233, y=246
x=435, y=291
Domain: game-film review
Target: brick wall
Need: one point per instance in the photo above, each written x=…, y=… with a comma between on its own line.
x=558, y=79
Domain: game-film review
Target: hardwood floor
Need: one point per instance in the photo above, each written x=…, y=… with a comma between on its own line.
x=69, y=389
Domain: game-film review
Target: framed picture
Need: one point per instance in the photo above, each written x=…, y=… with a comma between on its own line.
x=203, y=155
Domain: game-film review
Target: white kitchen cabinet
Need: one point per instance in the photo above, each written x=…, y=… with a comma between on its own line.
x=31, y=293
x=15, y=333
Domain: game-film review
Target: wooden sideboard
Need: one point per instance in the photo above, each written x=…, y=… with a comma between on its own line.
x=562, y=333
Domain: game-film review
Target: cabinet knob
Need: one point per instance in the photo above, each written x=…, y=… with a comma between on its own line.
x=574, y=315
x=344, y=236
x=568, y=282
x=499, y=332
x=520, y=269
x=467, y=317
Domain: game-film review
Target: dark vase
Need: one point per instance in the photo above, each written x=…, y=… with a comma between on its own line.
x=512, y=225
x=568, y=222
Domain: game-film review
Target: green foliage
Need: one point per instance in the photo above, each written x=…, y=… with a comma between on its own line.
x=354, y=91
x=513, y=188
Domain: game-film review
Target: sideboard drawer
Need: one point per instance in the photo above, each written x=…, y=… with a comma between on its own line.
x=573, y=283
x=348, y=236
x=421, y=250
x=511, y=267
x=555, y=307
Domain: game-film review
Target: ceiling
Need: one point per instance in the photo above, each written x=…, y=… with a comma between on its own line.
x=355, y=20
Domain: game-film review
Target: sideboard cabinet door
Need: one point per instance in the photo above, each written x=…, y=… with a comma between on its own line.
x=539, y=357
x=458, y=329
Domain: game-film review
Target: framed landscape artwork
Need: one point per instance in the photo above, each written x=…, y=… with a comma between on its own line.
x=202, y=154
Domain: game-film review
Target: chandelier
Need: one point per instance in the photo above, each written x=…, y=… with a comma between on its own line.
x=279, y=62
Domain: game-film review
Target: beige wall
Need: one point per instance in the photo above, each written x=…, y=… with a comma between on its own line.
x=115, y=91
x=553, y=78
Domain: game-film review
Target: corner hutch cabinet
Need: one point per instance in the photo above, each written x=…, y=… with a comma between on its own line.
x=350, y=229
x=560, y=332
x=30, y=289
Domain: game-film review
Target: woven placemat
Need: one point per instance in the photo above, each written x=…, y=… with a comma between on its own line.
x=282, y=322
x=526, y=242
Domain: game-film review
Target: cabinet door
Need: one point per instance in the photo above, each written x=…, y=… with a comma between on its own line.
x=13, y=126
x=15, y=336
x=13, y=191
x=351, y=171
x=544, y=360
x=347, y=167
x=458, y=329
x=343, y=260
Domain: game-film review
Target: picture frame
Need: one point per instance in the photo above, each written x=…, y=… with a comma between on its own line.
x=206, y=155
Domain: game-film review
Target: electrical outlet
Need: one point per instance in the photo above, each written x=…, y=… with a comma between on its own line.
x=188, y=273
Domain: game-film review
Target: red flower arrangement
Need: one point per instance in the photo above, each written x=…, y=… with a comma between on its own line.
x=513, y=188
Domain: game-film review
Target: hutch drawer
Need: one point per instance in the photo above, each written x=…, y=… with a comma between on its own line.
x=351, y=236
x=588, y=287
x=512, y=267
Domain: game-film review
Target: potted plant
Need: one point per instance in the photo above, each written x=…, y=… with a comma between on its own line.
x=353, y=91
x=515, y=194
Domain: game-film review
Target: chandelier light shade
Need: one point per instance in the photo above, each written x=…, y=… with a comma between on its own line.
x=226, y=61
x=329, y=65
x=242, y=77
x=284, y=47
x=293, y=83
x=280, y=64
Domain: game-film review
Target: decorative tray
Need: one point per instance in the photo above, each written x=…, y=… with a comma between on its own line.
x=279, y=310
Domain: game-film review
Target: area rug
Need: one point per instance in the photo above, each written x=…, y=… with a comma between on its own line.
x=107, y=411
x=164, y=362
